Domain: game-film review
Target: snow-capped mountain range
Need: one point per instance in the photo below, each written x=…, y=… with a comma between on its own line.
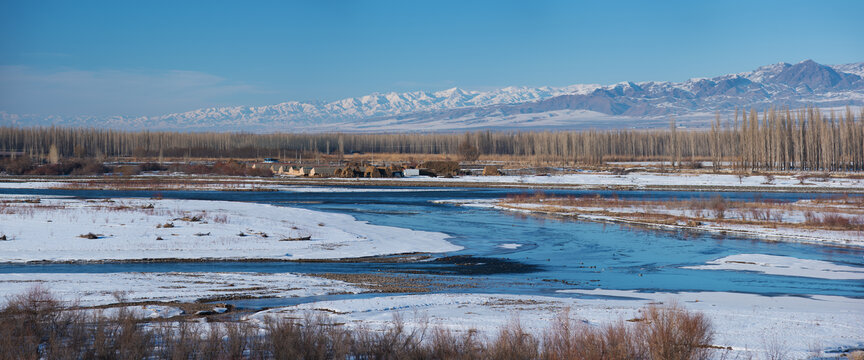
x=627, y=104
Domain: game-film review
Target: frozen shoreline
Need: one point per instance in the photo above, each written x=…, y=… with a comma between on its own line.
x=140, y=229
x=643, y=179
x=579, y=180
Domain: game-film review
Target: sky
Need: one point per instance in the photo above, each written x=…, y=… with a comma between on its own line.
x=137, y=58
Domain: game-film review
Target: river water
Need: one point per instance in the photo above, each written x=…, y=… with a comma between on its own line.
x=553, y=253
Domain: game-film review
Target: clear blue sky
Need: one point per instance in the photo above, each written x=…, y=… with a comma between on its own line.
x=152, y=57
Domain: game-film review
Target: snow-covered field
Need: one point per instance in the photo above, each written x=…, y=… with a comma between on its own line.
x=588, y=180
x=55, y=229
x=642, y=179
x=98, y=289
x=750, y=324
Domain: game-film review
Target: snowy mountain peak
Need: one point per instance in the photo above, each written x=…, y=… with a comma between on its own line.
x=853, y=68
x=641, y=104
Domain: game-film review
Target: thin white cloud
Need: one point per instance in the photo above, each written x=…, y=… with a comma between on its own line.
x=28, y=90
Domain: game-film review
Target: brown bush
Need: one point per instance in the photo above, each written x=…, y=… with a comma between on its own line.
x=442, y=167
x=17, y=166
x=25, y=166
x=151, y=166
x=89, y=167
x=129, y=170
x=568, y=340
x=673, y=333
x=514, y=343
x=718, y=206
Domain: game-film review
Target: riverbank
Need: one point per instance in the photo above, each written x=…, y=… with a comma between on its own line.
x=680, y=181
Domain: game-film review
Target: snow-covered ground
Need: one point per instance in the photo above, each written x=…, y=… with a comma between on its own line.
x=134, y=229
x=644, y=179
x=589, y=180
x=34, y=184
x=98, y=289
x=747, y=323
x=784, y=265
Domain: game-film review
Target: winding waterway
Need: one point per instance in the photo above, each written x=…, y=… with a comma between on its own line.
x=552, y=253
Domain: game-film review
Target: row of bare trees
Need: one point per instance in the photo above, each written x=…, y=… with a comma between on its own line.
x=804, y=139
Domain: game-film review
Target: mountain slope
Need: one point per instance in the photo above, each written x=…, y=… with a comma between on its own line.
x=644, y=104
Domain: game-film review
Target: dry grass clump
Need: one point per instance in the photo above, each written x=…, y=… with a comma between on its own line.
x=38, y=326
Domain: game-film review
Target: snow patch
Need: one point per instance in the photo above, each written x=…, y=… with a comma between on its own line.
x=784, y=265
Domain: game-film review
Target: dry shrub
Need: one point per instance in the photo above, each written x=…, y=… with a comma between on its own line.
x=151, y=166
x=446, y=345
x=513, y=342
x=129, y=170
x=834, y=221
x=665, y=333
x=718, y=206
x=442, y=167
x=25, y=166
x=566, y=339
x=309, y=339
x=17, y=166
x=673, y=333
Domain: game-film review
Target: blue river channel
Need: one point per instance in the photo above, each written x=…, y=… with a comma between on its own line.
x=555, y=253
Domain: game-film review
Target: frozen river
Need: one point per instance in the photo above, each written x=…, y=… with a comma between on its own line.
x=512, y=253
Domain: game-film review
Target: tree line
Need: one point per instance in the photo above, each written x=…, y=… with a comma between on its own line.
x=774, y=139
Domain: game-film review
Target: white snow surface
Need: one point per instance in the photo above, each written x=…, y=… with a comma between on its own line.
x=587, y=179
x=640, y=179
x=748, y=323
x=784, y=265
x=13, y=184
x=99, y=289
x=127, y=230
